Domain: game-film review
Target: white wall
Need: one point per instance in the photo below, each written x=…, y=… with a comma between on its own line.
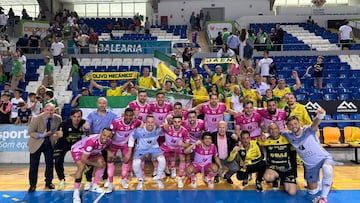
x=181, y=10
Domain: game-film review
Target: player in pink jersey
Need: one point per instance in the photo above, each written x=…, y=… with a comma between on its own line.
x=195, y=127
x=160, y=109
x=272, y=115
x=140, y=106
x=178, y=111
x=123, y=128
x=214, y=112
x=87, y=151
x=204, y=152
x=250, y=120
x=176, y=139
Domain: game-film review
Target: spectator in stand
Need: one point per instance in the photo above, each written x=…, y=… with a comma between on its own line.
x=34, y=43
x=251, y=37
x=76, y=39
x=146, y=81
x=84, y=92
x=260, y=41
x=137, y=25
x=246, y=62
x=83, y=27
x=263, y=65
x=40, y=93
x=58, y=31
x=83, y=42
x=14, y=102
x=202, y=22
x=34, y=104
x=57, y=51
x=7, y=89
x=3, y=20
x=225, y=35
x=279, y=38
x=194, y=37
x=11, y=13
x=268, y=96
x=16, y=72
x=74, y=74
x=235, y=103
x=242, y=38
x=4, y=44
x=49, y=98
x=22, y=59
x=7, y=64
x=23, y=43
x=187, y=54
x=48, y=73
x=273, y=82
x=24, y=114
x=283, y=89
x=310, y=21
x=345, y=36
x=192, y=20
x=218, y=42
x=5, y=109
x=147, y=26
x=318, y=72
x=259, y=84
x=233, y=43
x=272, y=36
x=113, y=90
x=25, y=15
x=93, y=41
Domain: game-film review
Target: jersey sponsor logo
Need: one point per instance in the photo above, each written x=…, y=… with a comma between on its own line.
x=89, y=148
x=347, y=107
x=312, y=106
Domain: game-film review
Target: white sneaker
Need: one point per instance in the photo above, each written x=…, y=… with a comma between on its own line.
x=110, y=188
x=76, y=196
x=160, y=184
x=106, y=183
x=125, y=183
x=154, y=173
x=209, y=182
x=96, y=188
x=180, y=183
x=61, y=185
x=87, y=186
x=173, y=173
x=194, y=182
x=140, y=185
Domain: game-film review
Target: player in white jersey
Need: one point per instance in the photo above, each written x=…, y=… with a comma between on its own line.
x=314, y=156
x=250, y=120
x=204, y=151
x=122, y=128
x=146, y=143
x=140, y=106
x=176, y=139
x=87, y=151
x=214, y=112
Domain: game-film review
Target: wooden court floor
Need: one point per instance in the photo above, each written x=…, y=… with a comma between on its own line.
x=14, y=177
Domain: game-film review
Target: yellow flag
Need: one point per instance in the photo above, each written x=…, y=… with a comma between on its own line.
x=164, y=74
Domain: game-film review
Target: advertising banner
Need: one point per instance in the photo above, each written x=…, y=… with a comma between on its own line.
x=332, y=107
x=133, y=47
x=13, y=138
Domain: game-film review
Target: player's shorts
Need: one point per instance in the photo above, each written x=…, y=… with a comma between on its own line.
x=167, y=149
x=141, y=153
x=77, y=156
x=313, y=174
x=202, y=169
x=116, y=148
x=287, y=176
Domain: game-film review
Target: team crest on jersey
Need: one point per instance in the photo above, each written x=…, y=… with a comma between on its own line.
x=89, y=148
x=301, y=147
x=149, y=142
x=160, y=110
x=70, y=129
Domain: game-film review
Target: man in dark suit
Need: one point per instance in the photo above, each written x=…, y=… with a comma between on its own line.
x=43, y=132
x=225, y=141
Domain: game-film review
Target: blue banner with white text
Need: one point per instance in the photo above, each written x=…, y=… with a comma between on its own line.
x=13, y=138
x=133, y=47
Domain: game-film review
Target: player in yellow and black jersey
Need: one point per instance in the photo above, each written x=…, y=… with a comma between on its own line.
x=278, y=151
x=251, y=159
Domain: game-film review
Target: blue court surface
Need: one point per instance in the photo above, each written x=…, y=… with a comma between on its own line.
x=174, y=196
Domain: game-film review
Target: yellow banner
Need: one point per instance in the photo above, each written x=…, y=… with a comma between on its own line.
x=218, y=60
x=111, y=75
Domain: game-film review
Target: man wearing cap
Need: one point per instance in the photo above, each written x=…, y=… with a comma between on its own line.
x=84, y=92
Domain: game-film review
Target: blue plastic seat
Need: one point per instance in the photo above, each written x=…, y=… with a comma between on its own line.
x=301, y=97
x=315, y=96
x=345, y=96
x=330, y=96
x=342, y=117
x=355, y=116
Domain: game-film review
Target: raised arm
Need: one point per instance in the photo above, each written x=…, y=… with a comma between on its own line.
x=317, y=120
x=297, y=80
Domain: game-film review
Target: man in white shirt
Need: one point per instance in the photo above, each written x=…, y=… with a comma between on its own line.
x=263, y=65
x=345, y=34
x=57, y=51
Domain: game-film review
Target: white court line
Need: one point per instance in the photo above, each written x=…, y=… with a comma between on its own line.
x=99, y=197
